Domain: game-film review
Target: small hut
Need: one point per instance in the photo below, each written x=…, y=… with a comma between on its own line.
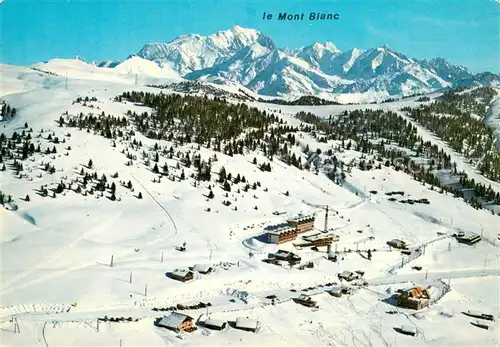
x=214, y=324
x=182, y=275
x=348, y=275
x=468, y=238
x=336, y=291
x=305, y=300
x=204, y=269
x=247, y=324
x=285, y=256
x=408, y=330
x=177, y=322
x=396, y=243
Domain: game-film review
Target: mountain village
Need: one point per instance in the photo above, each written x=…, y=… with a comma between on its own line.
x=141, y=208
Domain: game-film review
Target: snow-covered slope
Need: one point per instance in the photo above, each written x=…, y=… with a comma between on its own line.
x=136, y=65
x=131, y=71
x=492, y=117
x=18, y=79
x=57, y=277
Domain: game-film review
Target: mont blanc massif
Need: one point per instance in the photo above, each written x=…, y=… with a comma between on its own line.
x=251, y=58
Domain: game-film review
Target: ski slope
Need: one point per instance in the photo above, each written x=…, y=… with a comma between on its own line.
x=57, y=252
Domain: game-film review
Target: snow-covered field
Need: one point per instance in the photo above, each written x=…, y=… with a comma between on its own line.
x=57, y=252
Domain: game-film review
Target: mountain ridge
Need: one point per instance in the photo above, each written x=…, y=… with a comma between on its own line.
x=251, y=59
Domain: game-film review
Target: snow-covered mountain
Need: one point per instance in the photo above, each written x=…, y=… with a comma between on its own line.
x=106, y=63
x=137, y=65
x=481, y=79
x=250, y=58
x=193, y=52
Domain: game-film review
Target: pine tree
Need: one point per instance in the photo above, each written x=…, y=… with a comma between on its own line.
x=237, y=179
x=222, y=175
x=139, y=196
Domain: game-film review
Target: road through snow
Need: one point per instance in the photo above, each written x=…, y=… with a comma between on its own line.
x=434, y=275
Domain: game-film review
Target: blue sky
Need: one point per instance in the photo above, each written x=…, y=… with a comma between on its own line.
x=464, y=32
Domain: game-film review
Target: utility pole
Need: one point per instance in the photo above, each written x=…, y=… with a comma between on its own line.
x=16, y=326
x=146, y=290
x=210, y=257
x=111, y=263
x=97, y=324
x=426, y=273
x=130, y=279
x=326, y=219
x=121, y=343
x=449, y=246
x=135, y=80
x=161, y=261
x=66, y=81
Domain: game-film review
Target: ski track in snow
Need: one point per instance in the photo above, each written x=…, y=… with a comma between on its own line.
x=6, y=286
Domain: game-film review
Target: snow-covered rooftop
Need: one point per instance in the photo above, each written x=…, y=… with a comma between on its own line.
x=214, y=322
x=280, y=229
x=246, y=323
x=180, y=273
x=202, y=267
x=300, y=218
x=320, y=236
x=173, y=320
